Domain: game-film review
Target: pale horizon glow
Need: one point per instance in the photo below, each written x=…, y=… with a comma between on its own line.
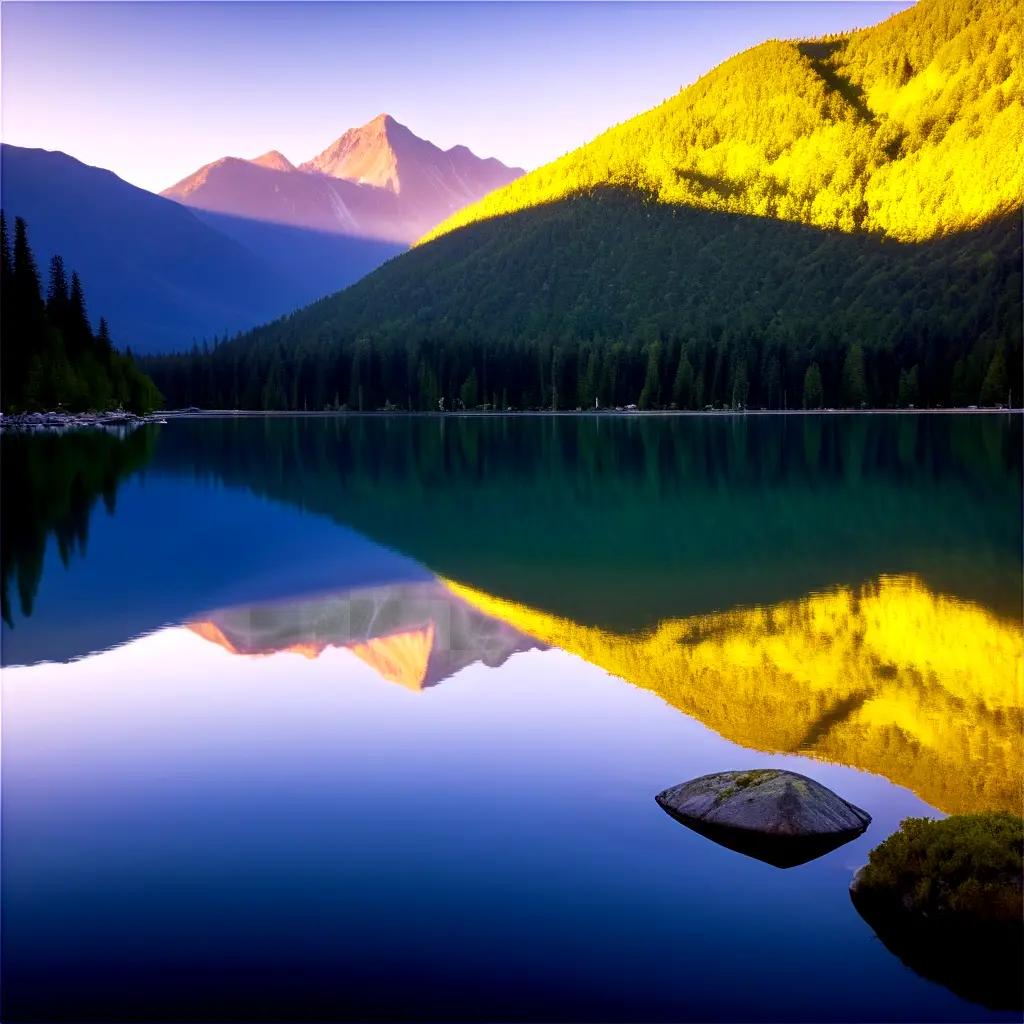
x=153, y=91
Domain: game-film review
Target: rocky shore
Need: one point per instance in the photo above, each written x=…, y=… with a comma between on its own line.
x=62, y=421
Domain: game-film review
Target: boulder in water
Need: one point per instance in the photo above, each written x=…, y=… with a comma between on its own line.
x=776, y=816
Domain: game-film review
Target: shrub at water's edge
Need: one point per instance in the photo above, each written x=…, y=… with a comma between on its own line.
x=947, y=897
x=51, y=356
x=968, y=866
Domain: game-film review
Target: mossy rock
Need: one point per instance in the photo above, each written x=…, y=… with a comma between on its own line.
x=774, y=815
x=947, y=898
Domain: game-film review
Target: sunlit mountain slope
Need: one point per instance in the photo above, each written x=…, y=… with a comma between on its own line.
x=924, y=689
x=912, y=128
x=814, y=223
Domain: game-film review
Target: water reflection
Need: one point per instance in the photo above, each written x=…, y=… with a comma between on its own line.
x=891, y=677
x=845, y=588
x=415, y=634
x=52, y=483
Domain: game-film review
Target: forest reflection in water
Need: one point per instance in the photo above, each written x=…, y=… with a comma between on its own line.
x=844, y=587
x=892, y=678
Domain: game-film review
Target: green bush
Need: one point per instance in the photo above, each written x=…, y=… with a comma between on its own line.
x=968, y=865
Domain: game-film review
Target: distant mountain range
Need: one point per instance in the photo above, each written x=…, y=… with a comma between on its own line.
x=820, y=222
x=378, y=181
x=239, y=242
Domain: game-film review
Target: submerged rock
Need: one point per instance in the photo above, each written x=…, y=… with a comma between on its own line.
x=776, y=816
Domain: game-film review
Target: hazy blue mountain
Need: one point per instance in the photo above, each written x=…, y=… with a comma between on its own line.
x=162, y=275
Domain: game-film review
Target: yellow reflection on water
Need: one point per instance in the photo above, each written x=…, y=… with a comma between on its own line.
x=919, y=687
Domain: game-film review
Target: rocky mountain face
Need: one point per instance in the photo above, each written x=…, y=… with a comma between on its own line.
x=378, y=181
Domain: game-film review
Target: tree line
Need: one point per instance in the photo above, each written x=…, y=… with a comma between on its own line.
x=649, y=305
x=51, y=357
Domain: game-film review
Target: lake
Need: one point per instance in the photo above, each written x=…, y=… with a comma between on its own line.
x=362, y=718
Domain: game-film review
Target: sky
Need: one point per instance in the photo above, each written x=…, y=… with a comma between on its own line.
x=154, y=90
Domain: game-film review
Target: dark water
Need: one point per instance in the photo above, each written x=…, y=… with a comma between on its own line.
x=362, y=718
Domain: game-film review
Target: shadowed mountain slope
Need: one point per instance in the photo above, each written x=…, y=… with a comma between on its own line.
x=160, y=275
x=818, y=222
x=165, y=276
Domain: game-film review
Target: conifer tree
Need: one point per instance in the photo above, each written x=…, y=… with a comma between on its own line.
x=650, y=393
x=78, y=333
x=813, y=393
x=6, y=269
x=39, y=369
x=855, y=390
x=909, y=387
x=995, y=386
x=682, y=386
x=57, y=297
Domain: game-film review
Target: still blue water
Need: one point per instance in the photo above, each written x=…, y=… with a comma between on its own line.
x=261, y=762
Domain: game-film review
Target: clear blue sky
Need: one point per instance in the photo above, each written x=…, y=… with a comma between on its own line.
x=154, y=90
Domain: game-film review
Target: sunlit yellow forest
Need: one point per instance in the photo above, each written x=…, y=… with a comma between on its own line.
x=814, y=223
x=922, y=688
x=912, y=128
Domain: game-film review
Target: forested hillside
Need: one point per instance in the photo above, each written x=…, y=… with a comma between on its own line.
x=813, y=223
x=51, y=356
x=912, y=128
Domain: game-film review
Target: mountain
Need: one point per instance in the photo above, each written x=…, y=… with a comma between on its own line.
x=910, y=129
x=814, y=222
x=160, y=276
x=379, y=181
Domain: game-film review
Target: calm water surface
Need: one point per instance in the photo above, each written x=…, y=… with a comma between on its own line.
x=319, y=719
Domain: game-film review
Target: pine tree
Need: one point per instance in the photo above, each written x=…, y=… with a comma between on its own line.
x=78, y=334
x=773, y=383
x=103, y=334
x=39, y=370
x=855, y=392
x=909, y=388
x=6, y=268
x=25, y=321
x=960, y=394
x=468, y=391
x=57, y=298
x=650, y=394
x=995, y=386
x=813, y=393
x=740, y=384
x=682, y=386
x=26, y=295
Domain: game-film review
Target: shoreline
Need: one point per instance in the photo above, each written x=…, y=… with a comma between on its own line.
x=593, y=413
x=46, y=421
x=31, y=422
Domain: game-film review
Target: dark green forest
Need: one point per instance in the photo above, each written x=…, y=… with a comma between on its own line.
x=650, y=304
x=51, y=357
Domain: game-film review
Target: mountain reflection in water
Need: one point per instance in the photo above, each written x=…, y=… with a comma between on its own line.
x=890, y=677
x=414, y=634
